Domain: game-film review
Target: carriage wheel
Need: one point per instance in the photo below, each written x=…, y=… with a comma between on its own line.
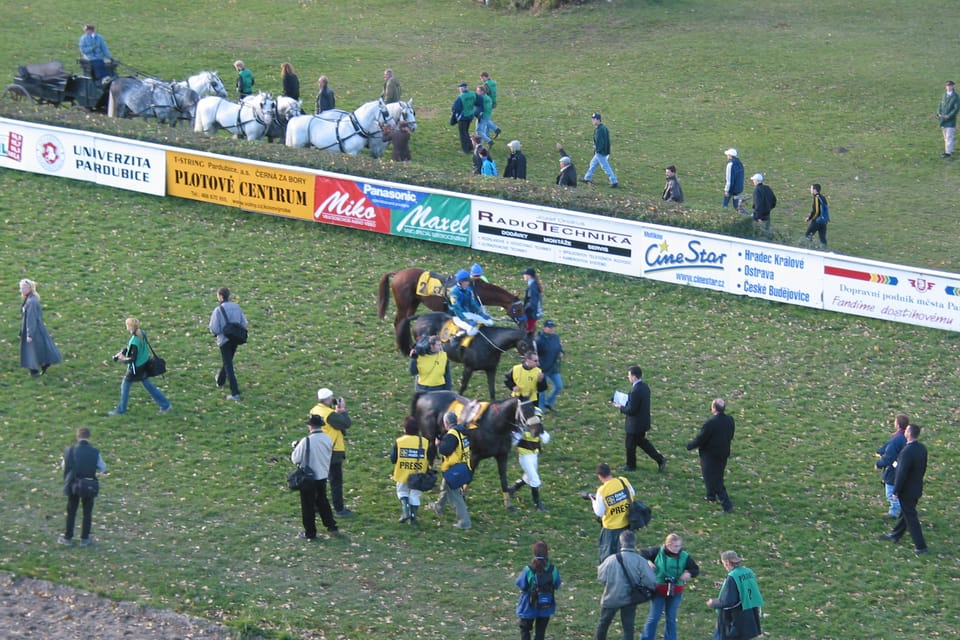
x=16, y=92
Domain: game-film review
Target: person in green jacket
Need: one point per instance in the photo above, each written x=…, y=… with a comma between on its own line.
x=461, y=114
x=491, y=85
x=601, y=152
x=949, y=106
x=244, y=79
x=484, y=108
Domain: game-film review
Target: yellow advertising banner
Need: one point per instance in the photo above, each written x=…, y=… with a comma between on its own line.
x=238, y=184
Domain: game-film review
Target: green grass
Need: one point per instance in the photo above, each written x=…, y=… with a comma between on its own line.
x=194, y=514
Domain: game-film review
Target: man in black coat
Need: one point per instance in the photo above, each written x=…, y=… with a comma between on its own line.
x=637, y=422
x=908, y=487
x=82, y=460
x=713, y=443
x=568, y=172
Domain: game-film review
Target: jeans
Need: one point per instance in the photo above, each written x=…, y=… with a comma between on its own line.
x=548, y=399
x=155, y=393
x=894, y=503
x=484, y=126
x=604, y=163
x=628, y=616
x=227, y=350
x=658, y=605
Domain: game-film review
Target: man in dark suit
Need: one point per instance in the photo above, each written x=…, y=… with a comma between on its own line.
x=908, y=487
x=637, y=422
x=713, y=443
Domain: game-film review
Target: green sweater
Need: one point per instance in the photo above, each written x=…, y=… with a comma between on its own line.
x=949, y=106
x=601, y=140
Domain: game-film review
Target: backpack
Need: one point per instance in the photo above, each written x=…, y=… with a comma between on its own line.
x=541, y=588
x=824, y=210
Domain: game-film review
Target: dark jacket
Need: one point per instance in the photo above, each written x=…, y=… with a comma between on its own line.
x=568, y=175
x=637, y=409
x=889, y=453
x=291, y=86
x=911, y=467
x=601, y=140
x=326, y=100
x=516, y=166
x=715, y=437
x=733, y=623
x=764, y=201
x=672, y=191
x=549, y=350
x=401, y=144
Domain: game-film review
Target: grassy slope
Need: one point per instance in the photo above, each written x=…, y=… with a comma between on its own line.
x=194, y=515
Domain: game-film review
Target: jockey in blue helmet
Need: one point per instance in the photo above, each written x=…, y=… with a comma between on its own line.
x=464, y=306
x=476, y=272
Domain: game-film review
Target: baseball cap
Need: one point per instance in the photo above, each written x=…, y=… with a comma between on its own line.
x=324, y=394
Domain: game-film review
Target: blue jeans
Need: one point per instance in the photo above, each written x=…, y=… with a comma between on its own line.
x=483, y=129
x=603, y=163
x=657, y=606
x=894, y=503
x=548, y=399
x=155, y=393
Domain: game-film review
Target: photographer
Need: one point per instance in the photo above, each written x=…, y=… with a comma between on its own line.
x=336, y=422
x=135, y=356
x=674, y=568
x=429, y=365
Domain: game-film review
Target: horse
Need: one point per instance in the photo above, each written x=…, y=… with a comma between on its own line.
x=484, y=351
x=336, y=130
x=167, y=101
x=249, y=119
x=286, y=108
x=400, y=111
x=408, y=298
x=206, y=83
x=493, y=435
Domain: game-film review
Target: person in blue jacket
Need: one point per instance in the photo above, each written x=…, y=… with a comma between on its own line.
x=538, y=583
x=887, y=456
x=464, y=306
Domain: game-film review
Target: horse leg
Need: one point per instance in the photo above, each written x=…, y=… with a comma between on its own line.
x=491, y=379
x=502, y=468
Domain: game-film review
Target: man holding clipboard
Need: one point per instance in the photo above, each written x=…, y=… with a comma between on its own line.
x=636, y=408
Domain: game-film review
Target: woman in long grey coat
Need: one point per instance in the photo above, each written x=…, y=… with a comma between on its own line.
x=37, y=351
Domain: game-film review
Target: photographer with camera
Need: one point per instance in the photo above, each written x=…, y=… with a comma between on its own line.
x=674, y=568
x=336, y=422
x=429, y=365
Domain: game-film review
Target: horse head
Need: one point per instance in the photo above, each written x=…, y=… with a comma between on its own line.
x=288, y=108
x=207, y=83
x=384, y=116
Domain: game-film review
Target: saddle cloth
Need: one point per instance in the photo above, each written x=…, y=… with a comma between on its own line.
x=449, y=330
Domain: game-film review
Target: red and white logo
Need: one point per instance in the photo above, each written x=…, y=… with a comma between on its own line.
x=50, y=153
x=922, y=284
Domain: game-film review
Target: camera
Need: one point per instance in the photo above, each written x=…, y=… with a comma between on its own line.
x=586, y=495
x=116, y=357
x=422, y=348
x=671, y=584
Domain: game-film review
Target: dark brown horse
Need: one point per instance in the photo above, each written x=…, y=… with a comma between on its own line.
x=407, y=298
x=492, y=437
x=483, y=354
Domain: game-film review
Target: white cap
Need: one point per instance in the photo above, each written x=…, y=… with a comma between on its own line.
x=731, y=152
x=757, y=176
x=324, y=394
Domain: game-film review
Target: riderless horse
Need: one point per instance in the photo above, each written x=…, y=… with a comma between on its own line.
x=286, y=108
x=400, y=111
x=339, y=131
x=250, y=119
x=167, y=101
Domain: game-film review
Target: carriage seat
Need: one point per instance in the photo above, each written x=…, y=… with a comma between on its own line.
x=43, y=73
x=88, y=68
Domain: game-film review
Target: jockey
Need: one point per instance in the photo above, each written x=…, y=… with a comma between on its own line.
x=476, y=272
x=464, y=306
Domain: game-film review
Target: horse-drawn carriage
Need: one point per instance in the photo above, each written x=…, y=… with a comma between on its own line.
x=51, y=83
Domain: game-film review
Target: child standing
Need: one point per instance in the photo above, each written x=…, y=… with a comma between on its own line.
x=538, y=581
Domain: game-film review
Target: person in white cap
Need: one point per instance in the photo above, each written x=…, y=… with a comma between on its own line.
x=733, y=186
x=764, y=201
x=336, y=421
x=568, y=172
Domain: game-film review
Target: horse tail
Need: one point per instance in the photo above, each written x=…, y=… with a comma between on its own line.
x=404, y=339
x=383, y=298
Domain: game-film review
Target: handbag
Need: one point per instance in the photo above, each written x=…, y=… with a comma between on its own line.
x=83, y=487
x=303, y=474
x=639, y=514
x=457, y=475
x=232, y=331
x=422, y=481
x=155, y=366
x=638, y=592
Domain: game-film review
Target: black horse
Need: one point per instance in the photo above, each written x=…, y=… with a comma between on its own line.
x=483, y=354
x=492, y=437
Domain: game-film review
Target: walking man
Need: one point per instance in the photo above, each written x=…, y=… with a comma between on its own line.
x=454, y=448
x=713, y=443
x=949, y=106
x=314, y=451
x=908, y=487
x=733, y=180
x=887, y=456
x=225, y=313
x=637, y=422
x=764, y=201
x=551, y=353
x=601, y=152
x=82, y=461
x=461, y=114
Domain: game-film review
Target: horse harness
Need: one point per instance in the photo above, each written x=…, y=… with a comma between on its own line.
x=358, y=129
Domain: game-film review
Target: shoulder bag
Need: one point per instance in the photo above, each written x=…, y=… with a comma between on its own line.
x=638, y=593
x=303, y=474
x=422, y=481
x=232, y=331
x=155, y=366
x=639, y=514
x=84, y=487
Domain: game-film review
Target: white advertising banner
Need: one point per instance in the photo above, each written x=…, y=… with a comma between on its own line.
x=683, y=257
x=777, y=273
x=551, y=235
x=91, y=157
x=891, y=292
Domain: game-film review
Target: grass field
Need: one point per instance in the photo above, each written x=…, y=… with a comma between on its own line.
x=194, y=514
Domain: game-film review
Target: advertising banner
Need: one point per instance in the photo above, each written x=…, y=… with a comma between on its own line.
x=343, y=203
x=91, y=157
x=245, y=185
x=891, y=292
x=776, y=273
x=678, y=257
x=551, y=235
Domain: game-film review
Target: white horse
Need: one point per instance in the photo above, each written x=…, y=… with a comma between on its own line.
x=399, y=111
x=250, y=119
x=167, y=101
x=286, y=109
x=206, y=83
x=336, y=130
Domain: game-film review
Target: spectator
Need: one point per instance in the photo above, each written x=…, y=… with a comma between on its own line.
x=477, y=145
x=568, y=172
x=818, y=218
x=672, y=191
x=674, y=568
x=391, y=87
x=738, y=605
x=947, y=113
x=225, y=313
x=94, y=49
x=887, y=456
x=538, y=583
x=314, y=451
x=484, y=110
x=326, y=100
x=245, y=79
x=601, y=152
x=516, y=163
x=491, y=86
x=551, y=353
x=733, y=180
x=461, y=114
x=37, y=350
x=81, y=461
x=488, y=167
x=135, y=355
x=411, y=453
x=764, y=201
x=400, y=137
x=291, y=83
x=336, y=421
x=619, y=573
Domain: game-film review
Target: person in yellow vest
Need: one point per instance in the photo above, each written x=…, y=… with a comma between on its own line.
x=528, y=455
x=526, y=380
x=454, y=448
x=428, y=362
x=336, y=422
x=412, y=453
x=611, y=505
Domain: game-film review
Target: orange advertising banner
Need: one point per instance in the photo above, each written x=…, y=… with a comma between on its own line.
x=246, y=186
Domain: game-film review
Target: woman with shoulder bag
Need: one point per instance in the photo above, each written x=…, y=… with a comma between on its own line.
x=135, y=355
x=674, y=568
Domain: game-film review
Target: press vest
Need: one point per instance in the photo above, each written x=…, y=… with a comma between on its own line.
x=616, y=497
x=411, y=457
x=322, y=410
x=432, y=369
x=527, y=380
x=460, y=454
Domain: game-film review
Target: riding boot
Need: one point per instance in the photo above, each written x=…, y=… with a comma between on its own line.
x=405, y=502
x=536, y=499
x=413, y=513
x=512, y=490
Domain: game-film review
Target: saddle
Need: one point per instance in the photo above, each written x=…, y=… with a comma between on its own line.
x=434, y=284
x=449, y=331
x=469, y=412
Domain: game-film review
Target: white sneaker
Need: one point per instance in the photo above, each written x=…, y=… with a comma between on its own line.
x=236, y=397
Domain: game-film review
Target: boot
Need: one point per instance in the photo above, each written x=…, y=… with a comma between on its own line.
x=512, y=490
x=413, y=514
x=405, y=515
x=536, y=499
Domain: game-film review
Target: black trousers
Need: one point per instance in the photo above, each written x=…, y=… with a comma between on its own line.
x=73, y=503
x=634, y=440
x=527, y=624
x=463, y=126
x=712, y=468
x=910, y=520
x=227, y=350
x=313, y=500
x=335, y=478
